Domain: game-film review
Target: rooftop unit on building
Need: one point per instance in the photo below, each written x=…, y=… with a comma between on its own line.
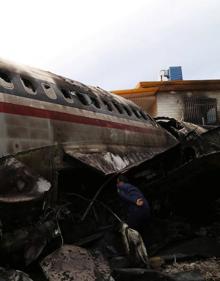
x=173, y=73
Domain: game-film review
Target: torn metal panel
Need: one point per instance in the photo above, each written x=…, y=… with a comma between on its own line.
x=74, y=263
x=19, y=183
x=180, y=129
x=196, y=141
x=109, y=162
x=43, y=160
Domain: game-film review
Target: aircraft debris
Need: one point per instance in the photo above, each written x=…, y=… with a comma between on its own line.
x=134, y=246
x=63, y=146
x=207, y=270
x=13, y=275
x=75, y=263
x=195, y=140
x=19, y=184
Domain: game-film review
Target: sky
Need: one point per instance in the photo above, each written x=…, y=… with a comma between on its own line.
x=113, y=44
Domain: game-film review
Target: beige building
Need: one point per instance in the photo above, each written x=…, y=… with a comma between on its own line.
x=196, y=101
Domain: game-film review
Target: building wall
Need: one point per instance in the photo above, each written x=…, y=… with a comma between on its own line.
x=198, y=106
x=146, y=102
x=169, y=105
x=196, y=101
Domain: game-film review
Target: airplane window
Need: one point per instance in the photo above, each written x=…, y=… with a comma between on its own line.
x=143, y=115
x=49, y=91
x=5, y=80
x=136, y=112
x=127, y=110
x=29, y=86
x=5, y=77
x=150, y=118
x=107, y=104
x=84, y=98
x=118, y=107
x=67, y=95
x=95, y=102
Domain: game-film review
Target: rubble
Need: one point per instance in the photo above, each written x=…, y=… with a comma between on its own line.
x=66, y=223
x=140, y=274
x=75, y=263
x=13, y=275
x=209, y=269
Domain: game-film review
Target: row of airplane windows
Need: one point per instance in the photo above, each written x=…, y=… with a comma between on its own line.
x=69, y=95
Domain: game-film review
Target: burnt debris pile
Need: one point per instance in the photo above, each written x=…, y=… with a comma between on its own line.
x=61, y=219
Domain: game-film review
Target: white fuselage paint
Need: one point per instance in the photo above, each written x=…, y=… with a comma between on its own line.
x=22, y=132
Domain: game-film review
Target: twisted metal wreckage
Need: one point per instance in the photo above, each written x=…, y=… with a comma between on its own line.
x=62, y=146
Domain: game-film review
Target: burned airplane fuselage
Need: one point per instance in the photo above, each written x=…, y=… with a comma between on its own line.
x=40, y=109
x=39, y=113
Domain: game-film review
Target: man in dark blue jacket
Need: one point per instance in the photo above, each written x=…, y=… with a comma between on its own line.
x=138, y=206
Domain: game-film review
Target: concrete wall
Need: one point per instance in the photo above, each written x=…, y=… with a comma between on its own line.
x=172, y=104
x=169, y=105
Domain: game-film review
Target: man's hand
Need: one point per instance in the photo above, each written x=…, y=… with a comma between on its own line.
x=140, y=202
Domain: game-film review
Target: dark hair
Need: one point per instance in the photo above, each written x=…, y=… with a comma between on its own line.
x=122, y=178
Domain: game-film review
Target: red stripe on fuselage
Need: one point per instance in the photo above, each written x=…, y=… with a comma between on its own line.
x=62, y=116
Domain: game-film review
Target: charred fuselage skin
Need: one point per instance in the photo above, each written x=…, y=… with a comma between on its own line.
x=38, y=109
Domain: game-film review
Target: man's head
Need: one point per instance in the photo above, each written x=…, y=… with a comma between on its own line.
x=121, y=180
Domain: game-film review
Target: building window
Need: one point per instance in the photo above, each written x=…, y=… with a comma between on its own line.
x=200, y=110
x=211, y=116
